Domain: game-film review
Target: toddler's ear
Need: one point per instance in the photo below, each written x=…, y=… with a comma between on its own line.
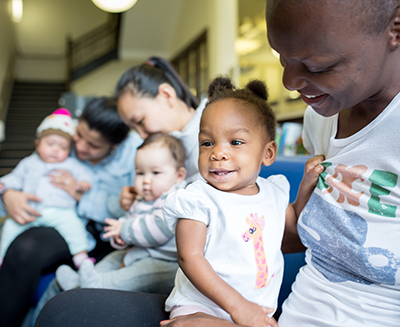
x=271, y=150
x=181, y=174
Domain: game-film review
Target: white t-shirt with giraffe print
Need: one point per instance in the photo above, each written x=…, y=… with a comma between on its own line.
x=243, y=245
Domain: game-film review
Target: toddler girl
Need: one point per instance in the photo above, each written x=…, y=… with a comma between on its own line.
x=150, y=263
x=33, y=175
x=229, y=227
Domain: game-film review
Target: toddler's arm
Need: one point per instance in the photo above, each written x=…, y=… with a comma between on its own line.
x=312, y=170
x=190, y=240
x=145, y=226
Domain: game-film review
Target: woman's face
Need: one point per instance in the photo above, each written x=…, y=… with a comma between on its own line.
x=148, y=115
x=90, y=144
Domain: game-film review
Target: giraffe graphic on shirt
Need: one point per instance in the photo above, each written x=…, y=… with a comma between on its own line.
x=254, y=232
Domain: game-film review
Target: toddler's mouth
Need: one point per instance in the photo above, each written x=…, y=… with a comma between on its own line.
x=221, y=173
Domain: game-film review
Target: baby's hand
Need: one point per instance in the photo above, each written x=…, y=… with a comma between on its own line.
x=254, y=315
x=312, y=170
x=1, y=188
x=83, y=187
x=114, y=230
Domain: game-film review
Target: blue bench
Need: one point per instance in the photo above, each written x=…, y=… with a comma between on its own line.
x=293, y=169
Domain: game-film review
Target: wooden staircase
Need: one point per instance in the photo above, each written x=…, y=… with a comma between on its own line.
x=29, y=104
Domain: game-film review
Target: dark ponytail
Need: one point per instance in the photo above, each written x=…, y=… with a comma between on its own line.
x=144, y=80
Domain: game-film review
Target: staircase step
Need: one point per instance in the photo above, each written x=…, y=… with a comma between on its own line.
x=12, y=154
x=30, y=103
x=7, y=162
x=5, y=170
x=17, y=146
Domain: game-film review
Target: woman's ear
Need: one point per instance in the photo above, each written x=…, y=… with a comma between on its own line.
x=394, y=41
x=271, y=150
x=167, y=93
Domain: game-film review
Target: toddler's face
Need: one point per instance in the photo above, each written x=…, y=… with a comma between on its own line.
x=233, y=147
x=53, y=148
x=156, y=171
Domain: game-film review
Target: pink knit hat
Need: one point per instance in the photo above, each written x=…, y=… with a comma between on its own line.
x=59, y=122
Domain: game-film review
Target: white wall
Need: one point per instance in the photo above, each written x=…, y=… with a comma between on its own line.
x=6, y=55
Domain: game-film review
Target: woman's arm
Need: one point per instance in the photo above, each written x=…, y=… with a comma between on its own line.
x=17, y=207
x=64, y=180
x=190, y=240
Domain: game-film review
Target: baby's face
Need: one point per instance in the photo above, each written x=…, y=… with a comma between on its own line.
x=233, y=147
x=53, y=148
x=156, y=171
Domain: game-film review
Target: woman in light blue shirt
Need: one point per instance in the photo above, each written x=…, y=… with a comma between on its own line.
x=105, y=145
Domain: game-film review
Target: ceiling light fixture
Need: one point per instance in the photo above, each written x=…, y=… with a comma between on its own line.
x=16, y=10
x=114, y=5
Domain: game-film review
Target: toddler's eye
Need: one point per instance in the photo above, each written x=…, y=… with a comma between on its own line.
x=206, y=143
x=156, y=172
x=139, y=174
x=236, y=142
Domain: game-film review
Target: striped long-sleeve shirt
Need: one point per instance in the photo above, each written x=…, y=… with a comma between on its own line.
x=145, y=227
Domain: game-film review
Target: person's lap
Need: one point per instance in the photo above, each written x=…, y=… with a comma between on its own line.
x=100, y=307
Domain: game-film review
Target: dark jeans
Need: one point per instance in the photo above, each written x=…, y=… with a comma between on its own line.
x=35, y=252
x=101, y=307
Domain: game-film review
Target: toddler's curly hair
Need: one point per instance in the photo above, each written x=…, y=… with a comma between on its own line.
x=253, y=95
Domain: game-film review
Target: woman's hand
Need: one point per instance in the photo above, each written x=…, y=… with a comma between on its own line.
x=83, y=187
x=198, y=320
x=16, y=204
x=127, y=197
x=114, y=230
x=64, y=180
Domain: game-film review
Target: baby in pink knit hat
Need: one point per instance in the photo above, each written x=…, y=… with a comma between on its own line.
x=33, y=175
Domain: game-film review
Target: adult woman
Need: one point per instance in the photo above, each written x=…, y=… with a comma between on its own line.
x=152, y=98
x=351, y=225
x=104, y=144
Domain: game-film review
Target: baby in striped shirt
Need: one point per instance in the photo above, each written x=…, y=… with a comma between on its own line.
x=151, y=245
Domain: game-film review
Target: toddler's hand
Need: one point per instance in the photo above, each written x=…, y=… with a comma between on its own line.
x=114, y=230
x=83, y=187
x=252, y=314
x=312, y=169
x=1, y=188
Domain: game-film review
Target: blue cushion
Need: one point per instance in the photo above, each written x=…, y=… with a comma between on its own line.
x=42, y=286
x=293, y=169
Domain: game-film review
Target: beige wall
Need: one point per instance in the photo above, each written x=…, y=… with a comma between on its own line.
x=41, y=35
x=187, y=19
x=102, y=81
x=6, y=56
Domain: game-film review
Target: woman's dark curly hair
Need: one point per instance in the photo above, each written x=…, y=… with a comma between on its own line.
x=254, y=95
